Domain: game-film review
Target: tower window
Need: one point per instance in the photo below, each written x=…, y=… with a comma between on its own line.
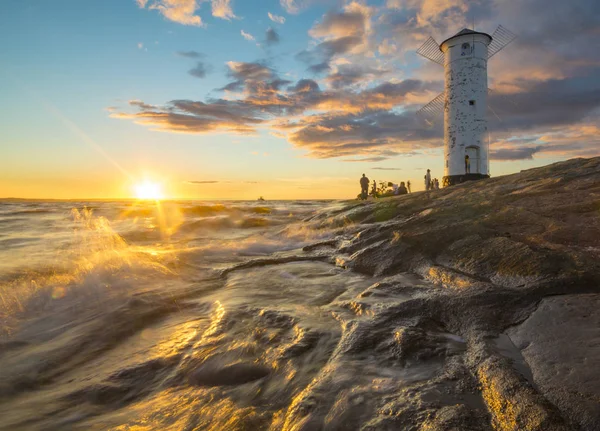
x=466, y=49
x=471, y=102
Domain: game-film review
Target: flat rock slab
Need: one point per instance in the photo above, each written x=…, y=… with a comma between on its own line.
x=561, y=343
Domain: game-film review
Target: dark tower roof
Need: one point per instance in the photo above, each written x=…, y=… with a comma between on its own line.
x=463, y=32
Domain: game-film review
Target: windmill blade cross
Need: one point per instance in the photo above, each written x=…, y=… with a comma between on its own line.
x=431, y=51
x=500, y=39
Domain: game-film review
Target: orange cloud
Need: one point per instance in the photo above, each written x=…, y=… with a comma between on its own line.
x=184, y=11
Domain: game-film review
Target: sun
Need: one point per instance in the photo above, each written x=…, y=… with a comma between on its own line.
x=148, y=190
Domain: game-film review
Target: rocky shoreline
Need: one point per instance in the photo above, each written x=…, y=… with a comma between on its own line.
x=513, y=270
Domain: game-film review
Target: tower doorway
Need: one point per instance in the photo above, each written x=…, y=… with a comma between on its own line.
x=473, y=164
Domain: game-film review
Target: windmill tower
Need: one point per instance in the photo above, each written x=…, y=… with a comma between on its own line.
x=464, y=100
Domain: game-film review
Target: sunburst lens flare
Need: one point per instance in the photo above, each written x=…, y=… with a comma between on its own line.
x=148, y=191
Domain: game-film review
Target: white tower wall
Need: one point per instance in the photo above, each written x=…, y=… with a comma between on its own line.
x=465, y=126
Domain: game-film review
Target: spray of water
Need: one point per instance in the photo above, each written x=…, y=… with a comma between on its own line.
x=98, y=264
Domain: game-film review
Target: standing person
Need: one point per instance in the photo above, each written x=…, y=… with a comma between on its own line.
x=428, y=180
x=436, y=183
x=467, y=164
x=364, y=187
x=408, y=186
x=374, y=190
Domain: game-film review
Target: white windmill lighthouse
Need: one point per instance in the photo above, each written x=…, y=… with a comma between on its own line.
x=464, y=100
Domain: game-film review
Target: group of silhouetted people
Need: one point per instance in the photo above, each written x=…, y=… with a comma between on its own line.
x=401, y=189
x=431, y=184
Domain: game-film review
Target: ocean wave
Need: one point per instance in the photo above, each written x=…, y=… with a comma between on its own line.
x=209, y=210
x=228, y=222
x=208, y=223
x=5, y=221
x=17, y=242
x=251, y=222
x=204, y=210
x=29, y=212
x=98, y=263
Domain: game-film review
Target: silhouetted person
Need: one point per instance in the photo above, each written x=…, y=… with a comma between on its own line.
x=428, y=180
x=467, y=164
x=436, y=184
x=374, y=189
x=364, y=187
x=408, y=186
x=402, y=189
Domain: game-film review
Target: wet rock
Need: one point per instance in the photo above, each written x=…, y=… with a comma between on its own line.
x=228, y=375
x=417, y=344
x=561, y=343
x=513, y=231
x=456, y=418
x=513, y=403
x=303, y=341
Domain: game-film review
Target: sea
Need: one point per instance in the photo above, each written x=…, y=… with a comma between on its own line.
x=190, y=315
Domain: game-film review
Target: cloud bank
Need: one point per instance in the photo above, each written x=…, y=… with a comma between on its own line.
x=363, y=83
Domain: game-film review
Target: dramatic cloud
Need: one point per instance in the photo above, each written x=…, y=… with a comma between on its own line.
x=373, y=133
x=200, y=70
x=305, y=86
x=545, y=98
x=271, y=37
x=548, y=103
x=349, y=74
x=276, y=18
x=338, y=34
x=247, y=36
x=186, y=116
x=340, y=125
x=253, y=77
x=514, y=153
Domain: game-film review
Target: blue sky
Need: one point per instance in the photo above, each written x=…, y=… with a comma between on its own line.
x=71, y=69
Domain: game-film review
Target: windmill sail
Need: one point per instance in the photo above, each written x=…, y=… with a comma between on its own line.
x=431, y=51
x=501, y=38
x=432, y=110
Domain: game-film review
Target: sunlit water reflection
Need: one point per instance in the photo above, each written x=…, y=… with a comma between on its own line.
x=115, y=315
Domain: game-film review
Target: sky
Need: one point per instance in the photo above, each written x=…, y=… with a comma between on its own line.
x=286, y=99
